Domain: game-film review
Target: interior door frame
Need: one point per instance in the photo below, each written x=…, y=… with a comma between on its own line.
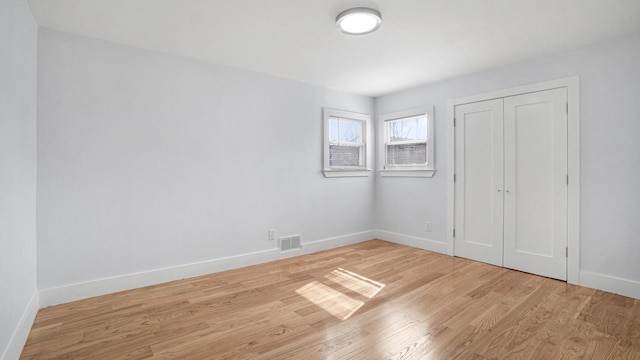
x=573, y=161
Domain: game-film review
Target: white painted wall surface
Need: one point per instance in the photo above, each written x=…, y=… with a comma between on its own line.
x=610, y=155
x=148, y=161
x=18, y=294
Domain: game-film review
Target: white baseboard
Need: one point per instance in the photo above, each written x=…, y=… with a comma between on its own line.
x=330, y=243
x=19, y=337
x=612, y=284
x=413, y=241
x=78, y=291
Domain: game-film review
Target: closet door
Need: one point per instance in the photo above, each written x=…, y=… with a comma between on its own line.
x=478, y=183
x=535, y=213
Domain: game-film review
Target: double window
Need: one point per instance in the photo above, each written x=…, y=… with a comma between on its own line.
x=345, y=143
x=408, y=143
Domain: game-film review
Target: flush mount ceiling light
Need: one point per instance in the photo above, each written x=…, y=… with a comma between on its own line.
x=359, y=21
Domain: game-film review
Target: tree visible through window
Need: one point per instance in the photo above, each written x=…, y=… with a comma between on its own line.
x=406, y=147
x=345, y=143
x=346, y=148
x=407, y=141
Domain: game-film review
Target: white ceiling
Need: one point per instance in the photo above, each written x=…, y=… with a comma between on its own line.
x=420, y=41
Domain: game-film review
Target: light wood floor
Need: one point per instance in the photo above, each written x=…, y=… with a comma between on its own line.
x=373, y=300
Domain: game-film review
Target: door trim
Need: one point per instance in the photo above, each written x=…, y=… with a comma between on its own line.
x=573, y=161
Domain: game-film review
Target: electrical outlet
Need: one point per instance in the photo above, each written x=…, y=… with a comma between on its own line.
x=428, y=226
x=272, y=234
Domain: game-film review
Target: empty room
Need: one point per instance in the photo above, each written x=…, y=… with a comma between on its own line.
x=297, y=179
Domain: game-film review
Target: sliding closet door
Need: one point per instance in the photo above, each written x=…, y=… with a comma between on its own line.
x=478, y=184
x=535, y=197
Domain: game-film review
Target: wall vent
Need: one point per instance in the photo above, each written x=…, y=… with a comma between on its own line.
x=290, y=243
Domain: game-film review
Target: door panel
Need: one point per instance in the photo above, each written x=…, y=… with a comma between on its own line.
x=479, y=173
x=535, y=230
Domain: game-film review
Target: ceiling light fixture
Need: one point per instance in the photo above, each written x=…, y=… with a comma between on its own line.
x=359, y=21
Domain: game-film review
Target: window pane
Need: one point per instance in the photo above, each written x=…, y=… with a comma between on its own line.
x=334, y=132
x=345, y=131
x=407, y=154
x=408, y=129
x=344, y=155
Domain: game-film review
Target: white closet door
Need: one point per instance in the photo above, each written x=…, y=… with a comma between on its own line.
x=478, y=186
x=535, y=179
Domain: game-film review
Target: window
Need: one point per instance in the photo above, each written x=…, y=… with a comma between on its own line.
x=408, y=143
x=345, y=143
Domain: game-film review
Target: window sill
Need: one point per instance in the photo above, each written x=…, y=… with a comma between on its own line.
x=423, y=173
x=331, y=173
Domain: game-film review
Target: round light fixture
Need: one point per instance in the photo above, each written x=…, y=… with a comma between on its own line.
x=359, y=21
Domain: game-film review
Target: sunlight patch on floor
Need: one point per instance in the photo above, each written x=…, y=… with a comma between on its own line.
x=358, y=283
x=334, y=301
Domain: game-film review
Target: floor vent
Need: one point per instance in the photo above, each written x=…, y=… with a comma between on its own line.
x=290, y=243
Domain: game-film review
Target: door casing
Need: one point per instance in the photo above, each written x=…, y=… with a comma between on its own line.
x=573, y=162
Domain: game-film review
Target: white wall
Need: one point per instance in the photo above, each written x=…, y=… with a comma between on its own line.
x=610, y=156
x=18, y=294
x=148, y=161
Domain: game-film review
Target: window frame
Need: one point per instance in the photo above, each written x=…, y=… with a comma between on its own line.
x=345, y=171
x=407, y=170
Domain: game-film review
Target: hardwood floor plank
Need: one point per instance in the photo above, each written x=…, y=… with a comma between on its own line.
x=372, y=300
x=631, y=332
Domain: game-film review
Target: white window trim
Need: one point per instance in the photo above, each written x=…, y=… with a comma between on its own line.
x=332, y=172
x=427, y=170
